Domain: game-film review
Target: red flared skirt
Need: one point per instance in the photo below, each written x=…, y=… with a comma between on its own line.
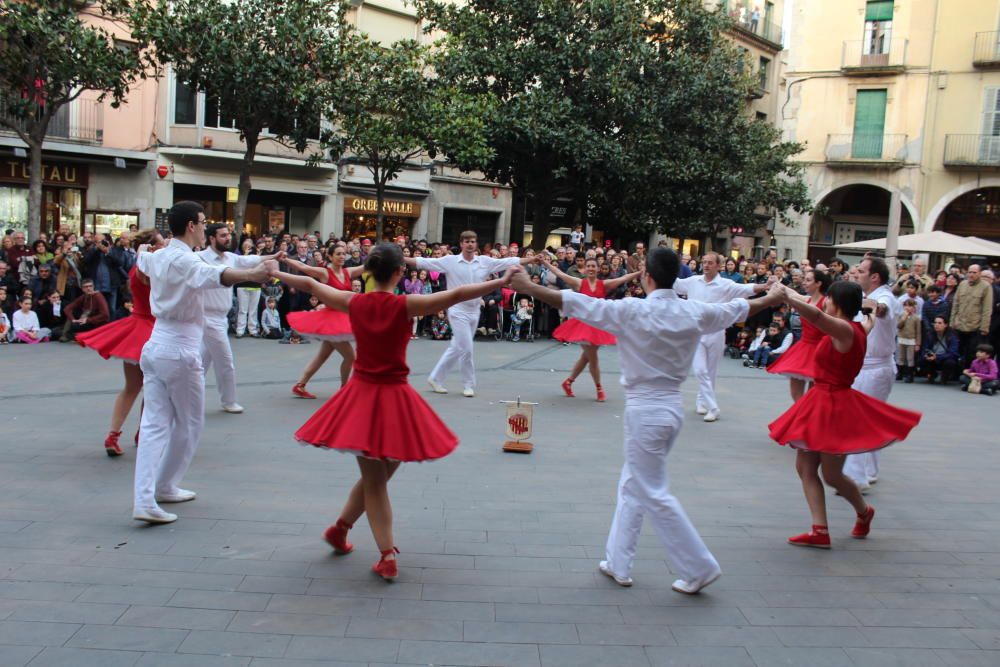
x=379, y=421
x=122, y=339
x=835, y=420
x=325, y=324
x=575, y=331
x=798, y=362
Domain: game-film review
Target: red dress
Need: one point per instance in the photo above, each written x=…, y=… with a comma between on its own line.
x=575, y=331
x=833, y=418
x=377, y=414
x=326, y=323
x=800, y=360
x=124, y=338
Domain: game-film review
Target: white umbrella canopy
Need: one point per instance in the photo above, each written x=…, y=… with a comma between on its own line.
x=936, y=241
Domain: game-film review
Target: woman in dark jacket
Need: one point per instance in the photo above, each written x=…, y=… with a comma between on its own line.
x=939, y=354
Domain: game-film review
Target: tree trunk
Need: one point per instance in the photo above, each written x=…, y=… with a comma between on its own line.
x=244, y=196
x=379, y=213
x=541, y=225
x=35, y=212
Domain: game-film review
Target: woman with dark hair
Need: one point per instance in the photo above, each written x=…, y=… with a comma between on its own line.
x=377, y=415
x=731, y=271
x=123, y=339
x=798, y=364
x=833, y=420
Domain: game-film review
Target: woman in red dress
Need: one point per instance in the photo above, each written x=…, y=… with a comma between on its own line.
x=377, y=415
x=798, y=363
x=832, y=420
x=575, y=331
x=124, y=338
x=332, y=328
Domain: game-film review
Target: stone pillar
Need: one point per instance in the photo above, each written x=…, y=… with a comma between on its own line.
x=892, y=232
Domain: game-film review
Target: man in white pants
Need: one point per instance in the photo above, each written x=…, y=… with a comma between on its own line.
x=173, y=378
x=657, y=338
x=216, y=349
x=462, y=269
x=710, y=287
x=879, y=372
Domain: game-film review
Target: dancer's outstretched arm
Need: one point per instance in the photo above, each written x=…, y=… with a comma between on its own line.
x=330, y=297
x=840, y=331
x=418, y=305
x=615, y=283
x=314, y=272
x=571, y=281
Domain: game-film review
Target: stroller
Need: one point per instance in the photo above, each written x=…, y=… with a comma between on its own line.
x=505, y=316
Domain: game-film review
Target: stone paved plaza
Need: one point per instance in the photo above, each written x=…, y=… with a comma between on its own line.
x=499, y=551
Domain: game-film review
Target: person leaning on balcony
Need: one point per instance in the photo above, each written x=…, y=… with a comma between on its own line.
x=971, y=312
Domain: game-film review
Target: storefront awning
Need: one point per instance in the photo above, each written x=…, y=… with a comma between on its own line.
x=82, y=152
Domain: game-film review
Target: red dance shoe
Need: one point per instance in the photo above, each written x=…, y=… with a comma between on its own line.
x=863, y=525
x=336, y=537
x=567, y=386
x=299, y=390
x=601, y=396
x=387, y=568
x=818, y=538
x=111, y=447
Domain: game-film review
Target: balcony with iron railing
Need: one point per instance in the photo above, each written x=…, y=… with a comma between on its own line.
x=986, y=53
x=866, y=151
x=873, y=57
x=971, y=151
x=766, y=30
x=81, y=121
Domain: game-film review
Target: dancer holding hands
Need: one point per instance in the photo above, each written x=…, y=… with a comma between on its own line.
x=377, y=415
x=798, y=364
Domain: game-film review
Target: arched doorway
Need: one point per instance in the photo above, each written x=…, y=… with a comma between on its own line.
x=858, y=212
x=975, y=213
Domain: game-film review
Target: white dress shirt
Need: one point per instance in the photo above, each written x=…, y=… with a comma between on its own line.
x=219, y=301
x=719, y=290
x=461, y=271
x=882, y=337
x=26, y=321
x=657, y=336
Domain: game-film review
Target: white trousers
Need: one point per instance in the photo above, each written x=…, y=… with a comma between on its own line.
x=650, y=432
x=216, y=351
x=463, y=330
x=877, y=382
x=173, y=388
x=706, y=366
x=248, y=300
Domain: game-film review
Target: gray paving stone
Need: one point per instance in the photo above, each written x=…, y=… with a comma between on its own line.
x=177, y=660
x=949, y=601
x=277, y=662
x=459, y=653
x=953, y=658
x=443, y=611
x=681, y=656
x=143, y=595
x=124, y=638
x=289, y=624
x=597, y=596
x=345, y=649
x=323, y=604
x=764, y=656
x=471, y=593
x=80, y=657
x=219, y=600
x=176, y=617
x=235, y=643
x=18, y=656
x=946, y=638
x=714, y=635
x=390, y=628
x=819, y=637
x=29, y=633
x=557, y=613
x=624, y=635
x=67, y=612
x=912, y=618
x=285, y=585
x=985, y=639
x=40, y=590
x=683, y=615
x=263, y=568
x=595, y=656
x=799, y=616
x=822, y=599
x=879, y=657
x=505, y=632
x=369, y=588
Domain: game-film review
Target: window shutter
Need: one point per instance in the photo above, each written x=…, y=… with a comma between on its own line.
x=991, y=112
x=879, y=10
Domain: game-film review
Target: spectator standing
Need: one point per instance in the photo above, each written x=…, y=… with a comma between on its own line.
x=908, y=337
x=104, y=269
x=17, y=251
x=935, y=306
x=971, y=312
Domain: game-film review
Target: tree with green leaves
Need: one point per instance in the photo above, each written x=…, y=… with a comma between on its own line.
x=51, y=52
x=389, y=110
x=633, y=109
x=259, y=62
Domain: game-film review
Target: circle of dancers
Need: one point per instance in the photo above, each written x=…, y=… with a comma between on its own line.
x=837, y=374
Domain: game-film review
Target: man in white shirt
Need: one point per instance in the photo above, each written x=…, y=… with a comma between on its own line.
x=710, y=287
x=173, y=378
x=878, y=372
x=462, y=269
x=216, y=349
x=657, y=339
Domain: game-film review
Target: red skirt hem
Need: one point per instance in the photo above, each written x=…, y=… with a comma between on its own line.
x=575, y=331
x=797, y=362
x=326, y=324
x=122, y=339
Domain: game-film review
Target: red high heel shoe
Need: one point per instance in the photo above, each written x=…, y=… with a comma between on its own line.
x=299, y=390
x=336, y=537
x=863, y=525
x=567, y=386
x=111, y=447
x=601, y=396
x=818, y=538
x=387, y=569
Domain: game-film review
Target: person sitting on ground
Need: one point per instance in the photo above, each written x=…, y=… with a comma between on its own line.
x=86, y=312
x=776, y=342
x=983, y=367
x=741, y=344
x=51, y=314
x=939, y=354
x=270, y=320
x=5, y=331
x=26, y=326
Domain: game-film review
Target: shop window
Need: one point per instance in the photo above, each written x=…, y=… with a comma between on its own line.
x=111, y=223
x=13, y=209
x=185, y=104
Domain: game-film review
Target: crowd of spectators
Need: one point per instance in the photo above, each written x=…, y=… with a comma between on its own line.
x=52, y=289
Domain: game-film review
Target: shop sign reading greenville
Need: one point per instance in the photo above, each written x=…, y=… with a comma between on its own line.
x=53, y=173
x=396, y=207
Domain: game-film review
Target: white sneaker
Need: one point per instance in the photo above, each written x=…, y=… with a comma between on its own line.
x=438, y=388
x=873, y=481
x=178, y=496
x=701, y=410
x=468, y=392
x=693, y=586
x=153, y=515
x=232, y=408
x=606, y=571
x=712, y=415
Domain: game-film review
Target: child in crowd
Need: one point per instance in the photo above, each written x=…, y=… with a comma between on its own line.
x=984, y=367
x=776, y=342
x=909, y=332
x=440, y=328
x=522, y=314
x=758, y=339
x=26, y=326
x=741, y=345
x=270, y=320
x=4, y=328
